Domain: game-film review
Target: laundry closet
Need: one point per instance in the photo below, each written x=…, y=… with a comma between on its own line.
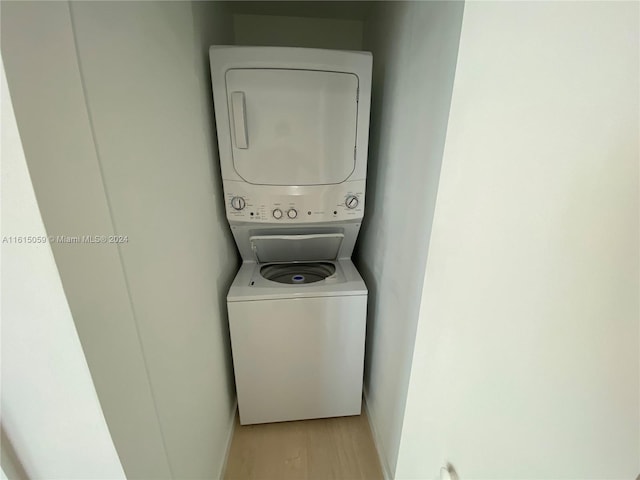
x=412, y=84
x=129, y=128
x=114, y=106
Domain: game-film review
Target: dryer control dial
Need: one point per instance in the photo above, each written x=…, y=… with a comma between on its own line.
x=292, y=213
x=351, y=201
x=277, y=214
x=238, y=203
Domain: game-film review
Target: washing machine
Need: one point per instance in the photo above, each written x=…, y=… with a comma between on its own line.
x=292, y=127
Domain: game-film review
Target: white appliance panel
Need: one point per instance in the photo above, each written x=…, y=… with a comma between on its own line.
x=298, y=358
x=292, y=127
x=312, y=204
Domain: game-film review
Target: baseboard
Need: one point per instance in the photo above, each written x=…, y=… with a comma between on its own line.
x=386, y=471
x=231, y=430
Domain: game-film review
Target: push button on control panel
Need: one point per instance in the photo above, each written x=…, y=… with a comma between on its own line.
x=292, y=213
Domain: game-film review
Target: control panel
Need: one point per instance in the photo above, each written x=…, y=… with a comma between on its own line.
x=294, y=205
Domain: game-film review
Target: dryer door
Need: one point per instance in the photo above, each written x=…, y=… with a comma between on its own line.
x=292, y=127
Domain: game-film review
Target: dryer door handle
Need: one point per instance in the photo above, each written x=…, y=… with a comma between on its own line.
x=238, y=109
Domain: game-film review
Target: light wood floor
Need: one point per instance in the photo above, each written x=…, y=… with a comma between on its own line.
x=330, y=448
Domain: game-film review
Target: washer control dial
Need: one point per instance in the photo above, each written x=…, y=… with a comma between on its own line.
x=351, y=201
x=238, y=203
x=292, y=213
x=277, y=214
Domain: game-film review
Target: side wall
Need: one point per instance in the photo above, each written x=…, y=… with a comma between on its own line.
x=56, y=135
x=149, y=100
x=526, y=357
x=47, y=392
x=414, y=49
x=119, y=138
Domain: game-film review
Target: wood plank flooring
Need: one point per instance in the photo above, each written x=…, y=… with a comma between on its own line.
x=329, y=448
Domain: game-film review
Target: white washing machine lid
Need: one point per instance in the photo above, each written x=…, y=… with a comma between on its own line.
x=296, y=248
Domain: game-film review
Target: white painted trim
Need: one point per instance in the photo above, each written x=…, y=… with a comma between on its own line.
x=386, y=471
x=231, y=429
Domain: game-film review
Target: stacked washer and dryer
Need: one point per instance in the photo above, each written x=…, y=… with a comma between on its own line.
x=293, y=128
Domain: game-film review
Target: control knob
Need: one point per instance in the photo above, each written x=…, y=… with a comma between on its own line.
x=238, y=203
x=292, y=213
x=351, y=201
x=277, y=214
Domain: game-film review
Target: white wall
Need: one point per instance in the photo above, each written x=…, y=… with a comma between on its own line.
x=134, y=85
x=148, y=96
x=274, y=30
x=526, y=360
x=50, y=410
x=47, y=94
x=414, y=49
